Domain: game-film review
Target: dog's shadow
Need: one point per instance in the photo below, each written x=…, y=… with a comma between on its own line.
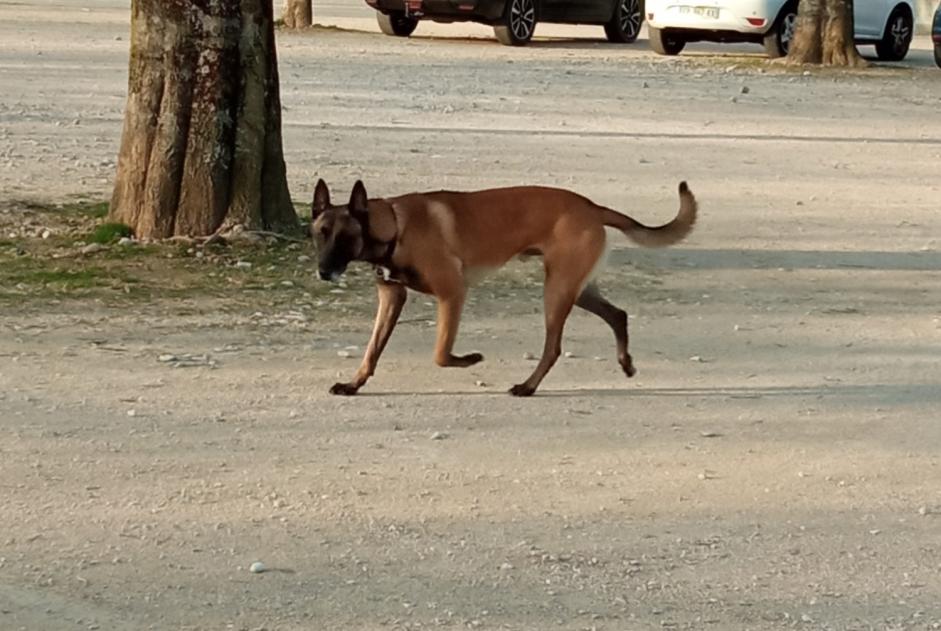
x=913, y=392
x=725, y=392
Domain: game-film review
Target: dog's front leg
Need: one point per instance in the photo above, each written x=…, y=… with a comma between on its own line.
x=449, y=317
x=391, y=300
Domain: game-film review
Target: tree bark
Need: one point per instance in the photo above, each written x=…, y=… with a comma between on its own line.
x=298, y=13
x=824, y=35
x=201, y=147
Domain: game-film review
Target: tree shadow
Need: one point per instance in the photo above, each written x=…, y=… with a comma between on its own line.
x=725, y=259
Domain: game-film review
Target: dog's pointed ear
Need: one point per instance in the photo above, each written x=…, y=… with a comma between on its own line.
x=321, y=199
x=359, y=203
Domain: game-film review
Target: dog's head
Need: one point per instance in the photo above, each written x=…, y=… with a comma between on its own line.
x=338, y=231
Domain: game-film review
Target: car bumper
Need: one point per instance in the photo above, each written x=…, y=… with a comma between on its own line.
x=445, y=10
x=702, y=17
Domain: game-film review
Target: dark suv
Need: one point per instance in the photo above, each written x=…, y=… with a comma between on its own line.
x=513, y=21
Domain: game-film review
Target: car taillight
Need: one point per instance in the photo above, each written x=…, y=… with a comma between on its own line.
x=756, y=21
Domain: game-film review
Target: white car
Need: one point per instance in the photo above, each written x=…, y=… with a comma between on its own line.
x=889, y=24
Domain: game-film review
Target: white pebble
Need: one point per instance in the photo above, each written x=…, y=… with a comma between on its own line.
x=439, y=436
x=257, y=567
x=344, y=354
x=529, y=356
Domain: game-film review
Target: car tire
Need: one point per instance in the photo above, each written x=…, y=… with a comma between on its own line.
x=518, y=23
x=897, y=36
x=624, y=26
x=396, y=24
x=665, y=42
x=777, y=41
x=937, y=55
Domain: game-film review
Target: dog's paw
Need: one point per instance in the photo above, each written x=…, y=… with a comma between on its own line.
x=344, y=389
x=471, y=358
x=460, y=361
x=522, y=390
x=628, y=365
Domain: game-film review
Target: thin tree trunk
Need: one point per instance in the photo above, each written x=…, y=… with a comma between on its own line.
x=824, y=35
x=298, y=13
x=201, y=147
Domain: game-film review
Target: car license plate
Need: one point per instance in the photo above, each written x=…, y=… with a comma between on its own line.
x=706, y=12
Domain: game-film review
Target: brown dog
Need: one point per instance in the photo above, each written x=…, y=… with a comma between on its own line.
x=433, y=242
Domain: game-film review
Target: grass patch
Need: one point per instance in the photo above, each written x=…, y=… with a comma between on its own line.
x=109, y=233
x=66, y=279
x=27, y=277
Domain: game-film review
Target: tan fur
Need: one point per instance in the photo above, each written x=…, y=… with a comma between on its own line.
x=443, y=239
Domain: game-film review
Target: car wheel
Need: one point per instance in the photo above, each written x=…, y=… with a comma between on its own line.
x=518, y=24
x=396, y=23
x=665, y=42
x=897, y=37
x=624, y=26
x=778, y=40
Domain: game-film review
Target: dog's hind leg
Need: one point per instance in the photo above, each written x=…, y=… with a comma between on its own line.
x=567, y=270
x=391, y=300
x=592, y=301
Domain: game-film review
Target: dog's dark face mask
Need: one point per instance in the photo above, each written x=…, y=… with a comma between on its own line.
x=337, y=230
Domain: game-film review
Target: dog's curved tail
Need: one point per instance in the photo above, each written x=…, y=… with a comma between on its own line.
x=657, y=236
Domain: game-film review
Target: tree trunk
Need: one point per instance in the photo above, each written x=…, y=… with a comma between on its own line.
x=298, y=13
x=824, y=35
x=201, y=147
